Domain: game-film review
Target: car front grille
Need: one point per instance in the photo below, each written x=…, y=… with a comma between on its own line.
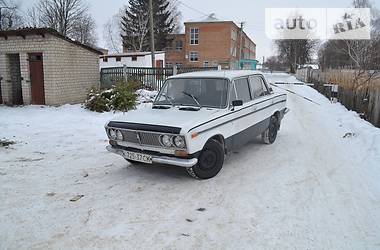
x=140, y=137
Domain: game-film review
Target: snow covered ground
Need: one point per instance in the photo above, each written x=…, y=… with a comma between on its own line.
x=316, y=187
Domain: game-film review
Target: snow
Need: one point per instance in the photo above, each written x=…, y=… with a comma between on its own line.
x=314, y=188
x=144, y=96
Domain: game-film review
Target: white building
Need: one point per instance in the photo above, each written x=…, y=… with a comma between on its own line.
x=132, y=59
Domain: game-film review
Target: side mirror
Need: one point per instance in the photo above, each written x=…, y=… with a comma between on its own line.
x=236, y=103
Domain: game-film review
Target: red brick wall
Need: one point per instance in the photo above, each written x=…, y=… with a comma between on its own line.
x=214, y=45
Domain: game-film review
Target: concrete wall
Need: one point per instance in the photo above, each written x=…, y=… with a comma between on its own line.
x=69, y=70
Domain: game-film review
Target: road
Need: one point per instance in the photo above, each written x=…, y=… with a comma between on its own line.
x=316, y=187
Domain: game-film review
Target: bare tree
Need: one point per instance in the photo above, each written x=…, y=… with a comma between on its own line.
x=361, y=55
x=10, y=17
x=69, y=17
x=84, y=30
x=111, y=34
x=296, y=52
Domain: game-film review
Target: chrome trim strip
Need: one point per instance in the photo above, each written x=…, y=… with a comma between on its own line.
x=185, y=163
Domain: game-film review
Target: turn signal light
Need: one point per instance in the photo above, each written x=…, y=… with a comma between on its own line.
x=181, y=153
x=193, y=135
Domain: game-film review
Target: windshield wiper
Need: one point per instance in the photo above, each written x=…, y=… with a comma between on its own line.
x=168, y=98
x=161, y=106
x=194, y=98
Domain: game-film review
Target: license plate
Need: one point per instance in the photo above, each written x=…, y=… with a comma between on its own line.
x=137, y=157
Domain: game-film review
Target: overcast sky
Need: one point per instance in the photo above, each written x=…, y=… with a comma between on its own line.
x=252, y=12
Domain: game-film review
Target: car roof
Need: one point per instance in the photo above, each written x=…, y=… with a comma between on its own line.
x=228, y=74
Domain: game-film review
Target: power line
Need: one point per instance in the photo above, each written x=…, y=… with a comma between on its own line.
x=189, y=7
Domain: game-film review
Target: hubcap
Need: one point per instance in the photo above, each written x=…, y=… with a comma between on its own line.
x=207, y=159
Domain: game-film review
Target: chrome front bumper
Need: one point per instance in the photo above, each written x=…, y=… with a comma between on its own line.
x=185, y=163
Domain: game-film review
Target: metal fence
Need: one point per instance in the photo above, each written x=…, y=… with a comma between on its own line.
x=152, y=78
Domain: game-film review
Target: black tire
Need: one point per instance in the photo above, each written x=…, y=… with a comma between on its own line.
x=270, y=134
x=210, y=161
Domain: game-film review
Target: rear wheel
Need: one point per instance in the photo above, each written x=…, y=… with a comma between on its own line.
x=210, y=161
x=270, y=134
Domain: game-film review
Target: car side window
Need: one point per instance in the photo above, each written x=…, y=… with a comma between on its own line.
x=258, y=87
x=242, y=90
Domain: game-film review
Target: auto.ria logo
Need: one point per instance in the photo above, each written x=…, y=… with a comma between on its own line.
x=317, y=23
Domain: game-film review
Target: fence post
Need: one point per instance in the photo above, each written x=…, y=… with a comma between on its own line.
x=174, y=70
x=125, y=73
x=219, y=67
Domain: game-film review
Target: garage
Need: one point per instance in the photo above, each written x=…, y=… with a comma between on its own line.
x=40, y=66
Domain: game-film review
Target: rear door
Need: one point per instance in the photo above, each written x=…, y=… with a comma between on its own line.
x=37, y=78
x=262, y=102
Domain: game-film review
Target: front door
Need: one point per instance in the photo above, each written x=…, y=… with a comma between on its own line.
x=37, y=78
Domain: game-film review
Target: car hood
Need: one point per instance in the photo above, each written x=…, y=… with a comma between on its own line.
x=173, y=117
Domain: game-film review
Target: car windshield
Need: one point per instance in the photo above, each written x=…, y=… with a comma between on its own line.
x=194, y=92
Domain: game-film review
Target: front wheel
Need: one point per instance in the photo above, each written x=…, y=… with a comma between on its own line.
x=210, y=161
x=270, y=134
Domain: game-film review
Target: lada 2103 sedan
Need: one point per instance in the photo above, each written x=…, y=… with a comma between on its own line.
x=197, y=118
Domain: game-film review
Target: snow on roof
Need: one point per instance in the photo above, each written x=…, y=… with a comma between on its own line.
x=209, y=19
x=229, y=74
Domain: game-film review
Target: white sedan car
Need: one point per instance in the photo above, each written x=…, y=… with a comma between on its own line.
x=197, y=118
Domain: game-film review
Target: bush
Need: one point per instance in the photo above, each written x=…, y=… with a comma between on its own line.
x=97, y=100
x=123, y=97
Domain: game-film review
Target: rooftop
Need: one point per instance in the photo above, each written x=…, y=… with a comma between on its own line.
x=209, y=19
x=136, y=53
x=228, y=74
x=23, y=32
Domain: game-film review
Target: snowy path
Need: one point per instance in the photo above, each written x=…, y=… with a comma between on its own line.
x=312, y=189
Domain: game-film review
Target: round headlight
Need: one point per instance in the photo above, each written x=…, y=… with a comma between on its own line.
x=179, y=142
x=166, y=140
x=119, y=135
x=112, y=133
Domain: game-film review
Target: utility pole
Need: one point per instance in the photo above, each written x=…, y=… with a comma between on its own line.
x=4, y=7
x=241, y=43
x=152, y=33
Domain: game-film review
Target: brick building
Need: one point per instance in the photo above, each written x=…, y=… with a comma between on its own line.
x=40, y=66
x=210, y=42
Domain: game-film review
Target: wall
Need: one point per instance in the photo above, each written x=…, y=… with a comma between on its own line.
x=69, y=70
x=174, y=56
x=214, y=43
x=355, y=93
x=142, y=61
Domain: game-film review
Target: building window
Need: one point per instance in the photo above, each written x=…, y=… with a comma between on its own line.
x=105, y=59
x=134, y=58
x=168, y=65
x=233, y=35
x=194, y=36
x=205, y=64
x=118, y=59
x=178, y=45
x=193, y=56
x=233, y=50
